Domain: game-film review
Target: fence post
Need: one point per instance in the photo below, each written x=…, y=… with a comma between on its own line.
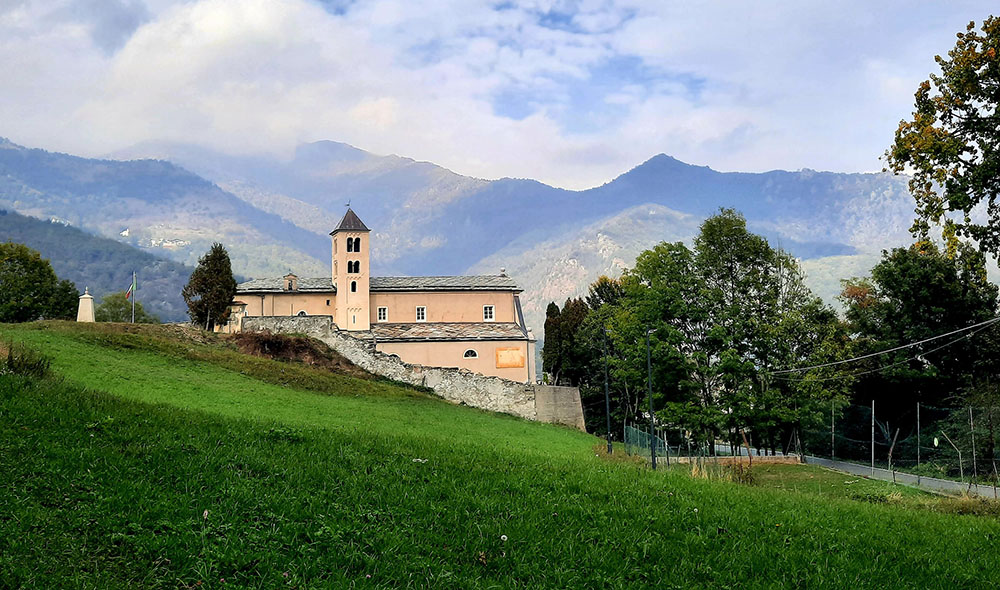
x=972, y=427
x=832, y=443
x=873, y=438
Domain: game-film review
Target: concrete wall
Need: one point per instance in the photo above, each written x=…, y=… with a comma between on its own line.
x=560, y=405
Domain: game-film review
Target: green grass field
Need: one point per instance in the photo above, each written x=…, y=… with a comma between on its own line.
x=312, y=480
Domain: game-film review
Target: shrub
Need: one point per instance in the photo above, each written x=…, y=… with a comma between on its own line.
x=741, y=473
x=875, y=497
x=19, y=359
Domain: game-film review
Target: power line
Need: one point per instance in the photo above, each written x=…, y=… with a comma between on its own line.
x=894, y=349
x=904, y=361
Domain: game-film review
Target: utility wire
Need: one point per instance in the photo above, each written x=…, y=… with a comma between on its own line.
x=902, y=362
x=894, y=349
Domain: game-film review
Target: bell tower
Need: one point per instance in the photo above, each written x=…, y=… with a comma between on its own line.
x=351, y=273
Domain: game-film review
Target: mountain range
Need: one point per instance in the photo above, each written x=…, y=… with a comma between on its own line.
x=274, y=213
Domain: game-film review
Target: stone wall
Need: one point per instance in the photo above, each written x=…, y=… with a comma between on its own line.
x=560, y=405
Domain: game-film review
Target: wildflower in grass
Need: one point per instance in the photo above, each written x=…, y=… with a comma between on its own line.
x=420, y=460
x=503, y=538
x=204, y=515
x=284, y=574
x=696, y=510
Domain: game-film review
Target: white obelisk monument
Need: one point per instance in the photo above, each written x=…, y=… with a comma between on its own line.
x=85, y=313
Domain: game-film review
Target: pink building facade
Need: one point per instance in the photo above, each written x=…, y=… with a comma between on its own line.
x=466, y=322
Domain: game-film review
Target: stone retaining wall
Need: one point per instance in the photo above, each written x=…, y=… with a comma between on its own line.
x=559, y=405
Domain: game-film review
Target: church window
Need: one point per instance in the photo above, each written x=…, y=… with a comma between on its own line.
x=471, y=354
x=354, y=286
x=421, y=313
x=302, y=313
x=350, y=244
x=488, y=313
x=353, y=266
x=328, y=302
x=383, y=314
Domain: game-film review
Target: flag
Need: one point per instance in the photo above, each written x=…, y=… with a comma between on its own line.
x=131, y=288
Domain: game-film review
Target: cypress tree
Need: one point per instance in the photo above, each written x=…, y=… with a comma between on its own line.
x=211, y=288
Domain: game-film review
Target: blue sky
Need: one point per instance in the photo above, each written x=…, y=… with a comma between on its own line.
x=569, y=93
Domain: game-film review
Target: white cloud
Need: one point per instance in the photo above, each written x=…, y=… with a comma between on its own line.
x=734, y=85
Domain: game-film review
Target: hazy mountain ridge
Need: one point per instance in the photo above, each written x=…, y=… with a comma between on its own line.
x=154, y=205
x=429, y=220
x=102, y=264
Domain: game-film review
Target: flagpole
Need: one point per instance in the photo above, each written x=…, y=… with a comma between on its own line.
x=134, y=289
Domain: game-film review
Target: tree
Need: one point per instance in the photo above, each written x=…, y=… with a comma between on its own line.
x=211, y=288
x=562, y=356
x=952, y=142
x=29, y=288
x=116, y=308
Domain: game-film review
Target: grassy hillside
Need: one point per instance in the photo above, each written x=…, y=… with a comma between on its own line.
x=164, y=462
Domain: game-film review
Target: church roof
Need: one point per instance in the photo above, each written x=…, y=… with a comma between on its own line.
x=447, y=331
x=325, y=285
x=456, y=283
x=277, y=285
x=350, y=222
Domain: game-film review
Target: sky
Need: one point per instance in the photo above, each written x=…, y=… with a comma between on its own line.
x=568, y=93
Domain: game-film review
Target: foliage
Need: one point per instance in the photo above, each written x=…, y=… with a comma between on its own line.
x=952, y=143
x=116, y=308
x=101, y=264
x=29, y=288
x=724, y=315
x=269, y=486
x=915, y=293
x=211, y=288
x=18, y=359
x=561, y=355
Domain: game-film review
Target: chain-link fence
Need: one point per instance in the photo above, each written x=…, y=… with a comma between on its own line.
x=953, y=443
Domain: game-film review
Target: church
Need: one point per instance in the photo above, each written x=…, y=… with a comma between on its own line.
x=466, y=322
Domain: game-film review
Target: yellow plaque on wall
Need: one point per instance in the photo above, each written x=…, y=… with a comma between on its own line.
x=510, y=358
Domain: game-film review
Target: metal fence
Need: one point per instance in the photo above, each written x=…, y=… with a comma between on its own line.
x=946, y=443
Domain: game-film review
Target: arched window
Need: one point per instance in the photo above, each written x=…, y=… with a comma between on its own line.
x=350, y=244
x=354, y=286
x=357, y=244
x=471, y=354
x=302, y=314
x=353, y=266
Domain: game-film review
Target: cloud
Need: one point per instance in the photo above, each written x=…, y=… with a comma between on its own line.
x=570, y=93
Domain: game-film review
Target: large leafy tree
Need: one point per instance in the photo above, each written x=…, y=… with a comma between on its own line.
x=211, y=288
x=725, y=314
x=912, y=294
x=29, y=288
x=952, y=142
x=915, y=293
x=115, y=307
